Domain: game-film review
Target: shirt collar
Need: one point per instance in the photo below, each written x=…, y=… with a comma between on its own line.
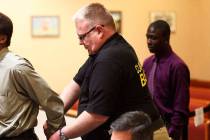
x=167, y=52
x=3, y=51
x=106, y=44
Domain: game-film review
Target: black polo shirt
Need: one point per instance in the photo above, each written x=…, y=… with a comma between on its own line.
x=113, y=82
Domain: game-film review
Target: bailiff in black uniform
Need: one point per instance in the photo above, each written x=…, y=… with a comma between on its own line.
x=109, y=83
x=113, y=82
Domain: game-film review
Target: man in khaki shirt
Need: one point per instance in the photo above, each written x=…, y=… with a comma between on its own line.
x=22, y=90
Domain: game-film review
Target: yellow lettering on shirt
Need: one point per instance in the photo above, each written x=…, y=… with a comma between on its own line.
x=141, y=74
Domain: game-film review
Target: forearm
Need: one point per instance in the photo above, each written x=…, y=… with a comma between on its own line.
x=85, y=123
x=55, y=114
x=180, y=114
x=39, y=91
x=70, y=95
x=179, y=118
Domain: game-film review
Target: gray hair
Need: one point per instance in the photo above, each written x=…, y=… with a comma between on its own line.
x=95, y=13
x=137, y=122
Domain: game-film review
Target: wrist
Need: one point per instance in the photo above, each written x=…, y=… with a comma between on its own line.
x=62, y=135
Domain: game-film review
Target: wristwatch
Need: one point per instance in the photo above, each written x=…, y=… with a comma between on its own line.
x=62, y=135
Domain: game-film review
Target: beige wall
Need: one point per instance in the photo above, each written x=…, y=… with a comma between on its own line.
x=58, y=59
x=202, y=63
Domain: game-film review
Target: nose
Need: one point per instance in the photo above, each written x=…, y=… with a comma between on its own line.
x=81, y=42
x=149, y=41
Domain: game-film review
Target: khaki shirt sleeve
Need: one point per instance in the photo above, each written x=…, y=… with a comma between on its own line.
x=27, y=80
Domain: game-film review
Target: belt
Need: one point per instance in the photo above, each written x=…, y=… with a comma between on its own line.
x=27, y=135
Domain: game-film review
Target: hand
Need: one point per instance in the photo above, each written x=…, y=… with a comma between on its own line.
x=45, y=127
x=175, y=134
x=46, y=130
x=55, y=136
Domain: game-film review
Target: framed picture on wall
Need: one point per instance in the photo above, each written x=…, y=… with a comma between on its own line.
x=45, y=26
x=117, y=16
x=169, y=17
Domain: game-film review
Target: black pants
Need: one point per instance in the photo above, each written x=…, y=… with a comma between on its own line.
x=27, y=135
x=185, y=132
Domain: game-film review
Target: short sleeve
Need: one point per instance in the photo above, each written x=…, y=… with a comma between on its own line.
x=104, y=88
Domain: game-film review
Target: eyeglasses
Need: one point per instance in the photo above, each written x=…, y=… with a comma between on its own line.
x=82, y=36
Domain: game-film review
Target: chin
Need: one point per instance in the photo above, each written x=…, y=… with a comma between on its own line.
x=151, y=50
x=90, y=53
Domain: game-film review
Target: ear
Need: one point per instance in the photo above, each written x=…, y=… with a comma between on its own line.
x=3, y=39
x=166, y=41
x=100, y=30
